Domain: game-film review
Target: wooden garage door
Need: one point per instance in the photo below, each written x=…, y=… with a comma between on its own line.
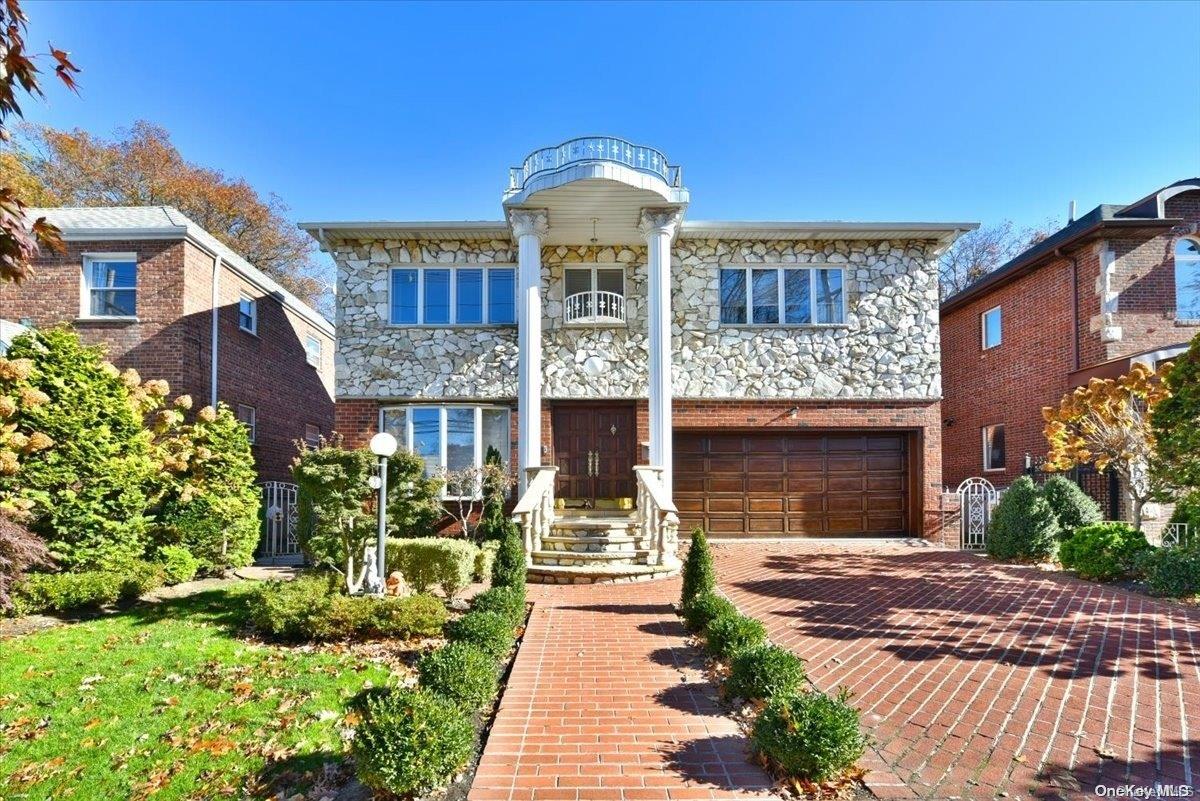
x=793, y=484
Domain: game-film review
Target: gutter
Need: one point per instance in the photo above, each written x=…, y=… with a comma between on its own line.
x=216, y=273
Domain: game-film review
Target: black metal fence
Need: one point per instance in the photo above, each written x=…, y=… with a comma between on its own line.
x=1102, y=487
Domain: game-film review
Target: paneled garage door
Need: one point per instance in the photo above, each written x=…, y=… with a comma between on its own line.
x=793, y=484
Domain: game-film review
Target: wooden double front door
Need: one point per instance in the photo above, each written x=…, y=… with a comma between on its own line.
x=595, y=446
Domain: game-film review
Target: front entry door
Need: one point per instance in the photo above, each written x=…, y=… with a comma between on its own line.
x=594, y=448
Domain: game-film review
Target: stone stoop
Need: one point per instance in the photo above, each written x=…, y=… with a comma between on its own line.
x=592, y=546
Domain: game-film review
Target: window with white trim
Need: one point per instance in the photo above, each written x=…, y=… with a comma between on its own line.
x=312, y=350
x=248, y=415
x=452, y=296
x=1187, y=279
x=110, y=285
x=449, y=438
x=248, y=314
x=312, y=434
x=993, y=447
x=594, y=293
x=991, y=328
x=783, y=296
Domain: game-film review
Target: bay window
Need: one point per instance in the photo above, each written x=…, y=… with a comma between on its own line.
x=1187, y=280
x=450, y=438
x=782, y=296
x=452, y=296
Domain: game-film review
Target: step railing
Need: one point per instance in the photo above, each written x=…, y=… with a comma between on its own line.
x=534, y=512
x=657, y=517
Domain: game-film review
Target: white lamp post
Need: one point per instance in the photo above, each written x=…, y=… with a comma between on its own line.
x=383, y=445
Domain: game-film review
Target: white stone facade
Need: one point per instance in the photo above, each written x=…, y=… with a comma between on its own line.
x=888, y=348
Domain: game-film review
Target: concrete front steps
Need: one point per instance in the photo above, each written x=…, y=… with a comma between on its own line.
x=591, y=546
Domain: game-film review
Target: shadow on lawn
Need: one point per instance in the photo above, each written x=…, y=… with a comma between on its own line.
x=225, y=608
x=322, y=774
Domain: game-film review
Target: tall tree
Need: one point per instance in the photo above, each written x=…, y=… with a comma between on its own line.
x=21, y=238
x=979, y=252
x=1176, y=423
x=142, y=167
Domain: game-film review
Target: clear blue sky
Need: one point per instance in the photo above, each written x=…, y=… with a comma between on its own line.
x=878, y=111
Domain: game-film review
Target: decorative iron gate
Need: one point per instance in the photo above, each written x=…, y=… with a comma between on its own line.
x=976, y=499
x=1102, y=487
x=279, y=543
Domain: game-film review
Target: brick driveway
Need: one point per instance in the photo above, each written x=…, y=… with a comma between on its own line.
x=977, y=679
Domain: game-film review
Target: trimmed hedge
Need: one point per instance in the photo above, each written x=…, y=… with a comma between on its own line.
x=1171, y=572
x=1103, y=551
x=699, y=576
x=485, y=559
x=88, y=589
x=507, y=602
x=729, y=634
x=809, y=736
x=488, y=631
x=311, y=608
x=410, y=742
x=1023, y=527
x=704, y=608
x=426, y=562
x=461, y=672
x=764, y=672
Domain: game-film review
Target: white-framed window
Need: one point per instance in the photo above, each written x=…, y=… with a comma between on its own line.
x=763, y=295
x=593, y=293
x=312, y=433
x=452, y=437
x=109, y=285
x=248, y=314
x=993, y=447
x=312, y=350
x=990, y=328
x=1187, y=279
x=248, y=416
x=470, y=295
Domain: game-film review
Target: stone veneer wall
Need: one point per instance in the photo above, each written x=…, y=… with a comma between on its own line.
x=887, y=350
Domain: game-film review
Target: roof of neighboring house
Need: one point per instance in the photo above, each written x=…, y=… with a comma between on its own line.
x=1147, y=214
x=80, y=224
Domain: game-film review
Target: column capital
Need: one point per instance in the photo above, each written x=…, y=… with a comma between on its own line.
x=661, y=221
x=525, y=222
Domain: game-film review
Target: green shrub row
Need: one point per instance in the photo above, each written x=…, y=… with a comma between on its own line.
x=1171, y=572
x=310, y=608
x=91, y=589
x=1030, y=522
x=428, y=562
x=1103, y=551
x=805, y=734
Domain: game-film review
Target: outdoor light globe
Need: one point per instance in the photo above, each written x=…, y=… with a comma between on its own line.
x=374, y=483
x=383, y=444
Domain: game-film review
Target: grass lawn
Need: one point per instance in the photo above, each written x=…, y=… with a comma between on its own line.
x=165, y=701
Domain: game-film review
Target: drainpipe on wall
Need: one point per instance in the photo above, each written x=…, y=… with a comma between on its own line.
x=1058, y=252
x=215, y=319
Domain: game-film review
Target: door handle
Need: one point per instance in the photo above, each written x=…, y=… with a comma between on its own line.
x=593, y=463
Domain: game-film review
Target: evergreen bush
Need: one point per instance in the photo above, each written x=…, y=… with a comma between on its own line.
x=426, y=562
x=764, y=672
x=461, y=672
x=1071, y=506
x=1023, y=527
x=1103, y=551
x=178, y=564
x=699, y=576
x=1171, y=572
x=508, y=569
x=729, y=634
x=809, y=736
x=508, y=602
x=704, y=608
x=491, y=632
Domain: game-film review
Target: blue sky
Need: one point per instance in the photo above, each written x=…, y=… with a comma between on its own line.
x=817, y=111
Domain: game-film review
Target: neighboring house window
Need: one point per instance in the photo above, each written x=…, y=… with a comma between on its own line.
x=312, y=434
x=453, y=296
x=248, y=417
x=449, y=438
x=312, y=351
x=1187, y=279
x=110, y=283
x=782, y=296
x=594, y=293
x=990, y=323
x=993, y=447
x=248, y=314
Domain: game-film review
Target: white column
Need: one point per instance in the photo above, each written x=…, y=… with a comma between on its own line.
x=529, y=226
x=658, y=225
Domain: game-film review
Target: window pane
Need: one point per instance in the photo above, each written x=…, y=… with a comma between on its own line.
x=1187, y=248
x=502, y=296
x=404, y=296
x=1187, y=280
x=394, y=423
x=610, y=281
x=829, y=296
x=113, y=303
x=312, y=351
x=496, y=434
x=797, y=300
x=469, y=303
x=114, y=274
x=733, y=296
x=766, y=296
x=460, y=444
x=993, y=448
x=437, y=296
x=427, y=437
x=991, y=328
x=577, y=284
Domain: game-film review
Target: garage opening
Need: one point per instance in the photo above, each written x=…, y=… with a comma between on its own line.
x=794, y=484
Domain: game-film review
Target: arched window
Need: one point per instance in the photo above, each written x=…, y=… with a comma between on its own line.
x=1187, y=279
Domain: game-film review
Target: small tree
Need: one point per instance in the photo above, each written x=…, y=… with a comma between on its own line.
x=1107, y=423
x=414, y=499
x=698, y=573
x=1176, y=424
x=1071, y=506
x=1023, y=528
x=493, y=524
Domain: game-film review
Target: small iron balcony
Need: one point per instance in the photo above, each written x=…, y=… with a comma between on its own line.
x=597, y=308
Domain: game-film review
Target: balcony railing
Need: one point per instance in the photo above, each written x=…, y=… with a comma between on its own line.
x=594, y=307
x=595, y=148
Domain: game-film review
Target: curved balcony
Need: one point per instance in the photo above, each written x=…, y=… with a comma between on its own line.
x=587, y=149
x=594, y=308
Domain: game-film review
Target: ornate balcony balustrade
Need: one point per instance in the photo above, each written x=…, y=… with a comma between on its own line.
x=595, y=148
x=594, y=307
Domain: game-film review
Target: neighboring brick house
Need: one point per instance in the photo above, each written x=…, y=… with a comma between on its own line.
x=139, y=280
x=775, y=378
x=1118, y=286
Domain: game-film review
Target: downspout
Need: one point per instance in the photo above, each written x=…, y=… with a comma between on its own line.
x=1075, y=357
x=216, y=273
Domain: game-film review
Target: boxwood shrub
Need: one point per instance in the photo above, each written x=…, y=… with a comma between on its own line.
x=1072, y=507
x=484, y=560
x=406, y=618
x=508, y=568
x=489, y=631
x=764, y=672
x=312, y=608
x=1171, y=572
x=178, y=564
x=730, y=633
x=427, y=562
x=461, y=672
x=704, y=608
x=809, y=736
x=88, y=589
x=508, y=602
x=1023, y=527
x=410, y=742
x=1103, y=551
x=698, y=573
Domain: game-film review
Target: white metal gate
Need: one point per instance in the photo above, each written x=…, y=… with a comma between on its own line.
x=279, y=543
x=976, y=499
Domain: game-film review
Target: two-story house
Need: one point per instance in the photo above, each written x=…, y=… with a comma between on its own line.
x=1118, y=286
x=757, y=378
x=165, y=297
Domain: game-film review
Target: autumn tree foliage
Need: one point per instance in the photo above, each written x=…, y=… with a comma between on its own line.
x=142, y=167
x=1108, y=423
x=21, y=238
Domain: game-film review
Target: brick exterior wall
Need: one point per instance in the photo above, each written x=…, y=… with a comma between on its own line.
x=171, y=338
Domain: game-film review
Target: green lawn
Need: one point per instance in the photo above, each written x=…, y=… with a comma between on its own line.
x=167, y=702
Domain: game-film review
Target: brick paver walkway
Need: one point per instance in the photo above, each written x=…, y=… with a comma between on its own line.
x=605, y=701
x=977, y=679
